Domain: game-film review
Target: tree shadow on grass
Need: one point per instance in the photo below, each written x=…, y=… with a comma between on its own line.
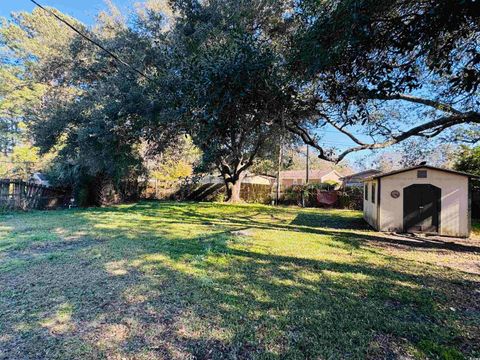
x=331, y=221
x=415, y=242
x=147, y=293
x=351, y=229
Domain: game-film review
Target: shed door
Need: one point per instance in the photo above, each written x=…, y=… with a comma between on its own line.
x=421, y=208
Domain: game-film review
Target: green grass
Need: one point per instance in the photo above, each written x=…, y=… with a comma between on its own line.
x=213, y=281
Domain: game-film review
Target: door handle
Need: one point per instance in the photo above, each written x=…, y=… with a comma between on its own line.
x=420, y=207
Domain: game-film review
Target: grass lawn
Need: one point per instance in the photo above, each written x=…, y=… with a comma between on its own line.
x=209, y=281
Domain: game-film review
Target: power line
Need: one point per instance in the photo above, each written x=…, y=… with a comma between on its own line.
x=111, y=54
x=336, y=143
x=16, y=162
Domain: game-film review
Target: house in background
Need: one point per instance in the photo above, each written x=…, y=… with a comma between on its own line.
x=289, y=178
x=254, y=188
x=421, y=199
x=250, y=178
x=357, y=179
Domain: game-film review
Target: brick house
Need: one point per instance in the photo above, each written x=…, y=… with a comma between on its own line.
x=298, y=177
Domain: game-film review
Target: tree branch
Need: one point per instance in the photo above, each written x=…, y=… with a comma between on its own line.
x=437, y=126
x=429, y=130
x=307, y=139
x=254, y=152
x=418, y=100
x=343, y=131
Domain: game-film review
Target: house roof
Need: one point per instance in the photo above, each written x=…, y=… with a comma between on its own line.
x=250, y=178
x=40, y=176
x=257, y=179
x=301, y=174
x=361, y=174
x=421, y=167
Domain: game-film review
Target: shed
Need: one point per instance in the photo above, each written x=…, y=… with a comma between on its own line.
x=422, y=199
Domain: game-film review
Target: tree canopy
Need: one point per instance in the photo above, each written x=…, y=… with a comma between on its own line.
x=468, y=160
x=85, y=107
x=230, y=83
x=383, y=72
x=238, y=77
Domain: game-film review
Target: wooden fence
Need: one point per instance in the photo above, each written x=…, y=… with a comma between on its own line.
x=21, y=195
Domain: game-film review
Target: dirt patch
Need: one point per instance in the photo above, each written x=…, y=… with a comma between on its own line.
x=244, y=232
x=387, y=347
x=425, y=242
x=455, y=253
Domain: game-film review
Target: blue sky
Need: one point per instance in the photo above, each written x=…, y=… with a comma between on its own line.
x=85, y=11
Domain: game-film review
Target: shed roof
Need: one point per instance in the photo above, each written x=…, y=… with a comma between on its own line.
x=421, y=167
x=361, y=175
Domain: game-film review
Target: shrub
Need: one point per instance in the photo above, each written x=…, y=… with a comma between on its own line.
x=219, y=197
x=351, y=198
x=306, y=194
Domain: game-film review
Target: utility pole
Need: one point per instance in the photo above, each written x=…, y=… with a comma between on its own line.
x=279, y=166
x=280, y=159
x=307, y=167
x=306, y=175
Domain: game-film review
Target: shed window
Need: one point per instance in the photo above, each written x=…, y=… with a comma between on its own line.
x=374, y=186
x=366, y=191
x=421, y=174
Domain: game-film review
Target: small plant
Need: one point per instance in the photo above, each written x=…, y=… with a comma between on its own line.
x=219, y=197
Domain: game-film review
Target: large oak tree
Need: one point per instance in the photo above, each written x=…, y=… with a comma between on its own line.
x=232, y=84
x=384, y=71
x=235, y=74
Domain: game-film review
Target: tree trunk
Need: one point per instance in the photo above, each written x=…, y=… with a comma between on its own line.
x=233, y=185
x=233, y=192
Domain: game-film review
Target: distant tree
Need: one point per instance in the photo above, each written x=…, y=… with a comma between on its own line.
x=16, y=94
x=89, y=106
x=468, y=160
x=411, y=152
x=9, y=135
x=176, y=162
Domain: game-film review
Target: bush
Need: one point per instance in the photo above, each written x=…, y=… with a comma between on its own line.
x=293, y=195
x=219, y=197
x=82, y=197
x=306, y=194
x=351, y=198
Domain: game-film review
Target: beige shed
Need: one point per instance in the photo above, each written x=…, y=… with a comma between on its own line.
x=422, y=199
